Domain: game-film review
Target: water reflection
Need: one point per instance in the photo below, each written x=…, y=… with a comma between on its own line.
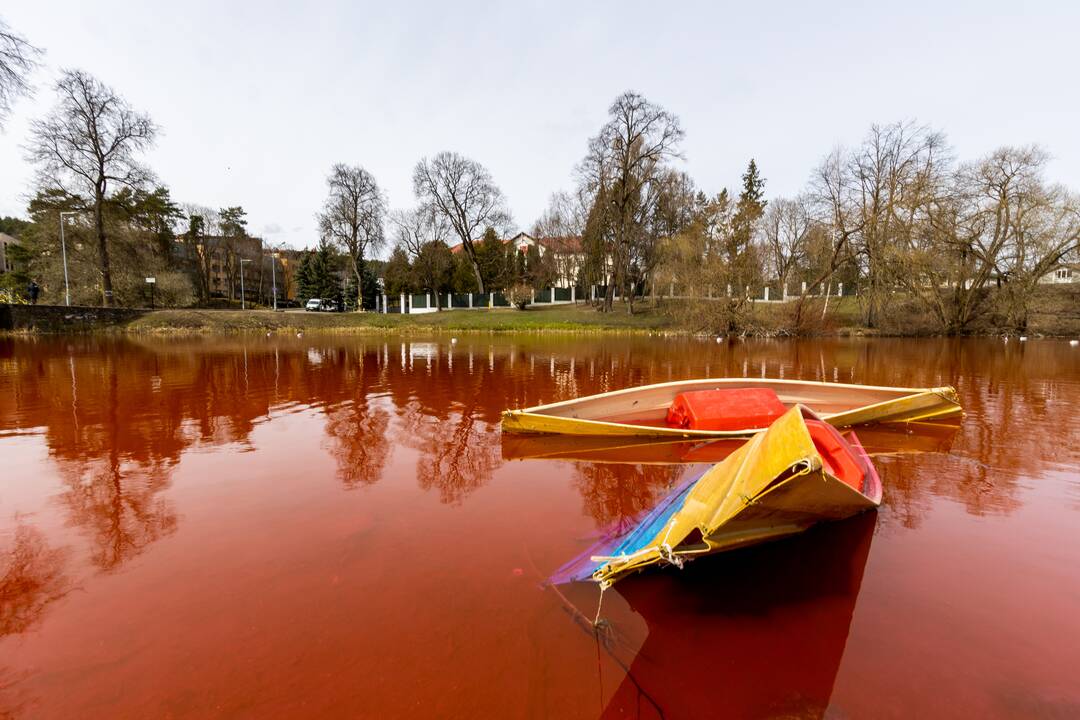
x=107, y=436
x=616, y=495
x=31, y=578
x=357, y=428
x=758, y=632
x=117, y=415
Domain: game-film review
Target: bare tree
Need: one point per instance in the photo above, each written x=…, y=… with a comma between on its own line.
x=89, y=144
x=205, y=244
x=18, y=58
x=416, y=227
x=463, y=192
x=786, y=227
x=353, y=217
x=895, y=171
x=1039, y=223
x=627, y=155
x=422, y=234
x=559, y=230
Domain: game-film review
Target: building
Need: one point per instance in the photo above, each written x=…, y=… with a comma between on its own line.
x=565, y=252
x=288, y=262
x=1067, y=273
x=221, y=259
x=6, y=263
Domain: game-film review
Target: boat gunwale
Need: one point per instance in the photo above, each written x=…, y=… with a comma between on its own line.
x=539, y=409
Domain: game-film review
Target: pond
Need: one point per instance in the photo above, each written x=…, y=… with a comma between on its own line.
x=335, y=527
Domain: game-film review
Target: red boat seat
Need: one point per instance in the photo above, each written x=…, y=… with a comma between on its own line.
x=729, y=409
x=837, y=455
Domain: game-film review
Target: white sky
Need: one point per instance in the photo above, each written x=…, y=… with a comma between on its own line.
x=256, y=99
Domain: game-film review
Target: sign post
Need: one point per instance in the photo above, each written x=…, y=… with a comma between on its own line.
x=151, y=281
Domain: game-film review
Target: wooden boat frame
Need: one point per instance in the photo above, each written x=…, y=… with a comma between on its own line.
x=614, y=413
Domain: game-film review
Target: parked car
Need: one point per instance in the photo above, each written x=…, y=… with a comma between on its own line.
x=321, y=305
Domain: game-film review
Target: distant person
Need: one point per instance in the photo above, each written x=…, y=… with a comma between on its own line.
x=33, y=291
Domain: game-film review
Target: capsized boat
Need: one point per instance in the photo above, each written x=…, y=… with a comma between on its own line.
x=657, y=410
x=762, y=631
x=799, y=472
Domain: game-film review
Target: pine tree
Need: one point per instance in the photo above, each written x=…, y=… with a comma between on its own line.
x=749, y=208
x=315, y=278
x=397, y=274
x=742, y=256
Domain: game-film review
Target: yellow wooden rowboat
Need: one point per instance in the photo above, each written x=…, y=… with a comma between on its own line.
x=885, y=439
x=640, y=411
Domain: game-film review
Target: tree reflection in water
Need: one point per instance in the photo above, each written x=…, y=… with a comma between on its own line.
x=357, y=427
x=31, y=578
x=615, y=495
x=118, y=508
x=359, y=443
x=448, y=416
x=117, y=415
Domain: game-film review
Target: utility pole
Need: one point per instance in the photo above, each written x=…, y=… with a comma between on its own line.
x=63, y=251
x=243, y=297
x=273, y=275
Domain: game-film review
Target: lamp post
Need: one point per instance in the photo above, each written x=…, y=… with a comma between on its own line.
x=243, y=299
x=273, y=276
x=63, y=251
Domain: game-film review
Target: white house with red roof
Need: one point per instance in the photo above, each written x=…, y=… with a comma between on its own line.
x=566, y=253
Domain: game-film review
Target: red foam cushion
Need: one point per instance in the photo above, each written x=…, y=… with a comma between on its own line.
x=729, y=409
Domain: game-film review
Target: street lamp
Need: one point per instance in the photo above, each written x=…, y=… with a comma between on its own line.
x=243, y=300
x=63, y=251
x=273, y=275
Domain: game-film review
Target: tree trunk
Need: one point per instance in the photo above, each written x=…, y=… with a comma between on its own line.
x=103, y=250
x=476, y=272
x=359, y=286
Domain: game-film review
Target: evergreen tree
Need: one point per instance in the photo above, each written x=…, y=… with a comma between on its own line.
x=463, y=277
x=13, y=226
x=397, y=275
x=491, y=258
x=748, y=210
x=315, y=278
x=742, y=254
x=539, y=273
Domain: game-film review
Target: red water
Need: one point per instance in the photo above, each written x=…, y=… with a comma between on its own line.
x=332, y=527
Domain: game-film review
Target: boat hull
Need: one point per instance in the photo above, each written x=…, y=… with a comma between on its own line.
x=639, y=412
x=777, y=484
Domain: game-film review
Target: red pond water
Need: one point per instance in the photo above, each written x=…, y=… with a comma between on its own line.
x=335, y=528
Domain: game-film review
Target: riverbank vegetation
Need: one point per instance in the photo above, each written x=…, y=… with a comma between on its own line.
x=1056, y=312
x=919, y=236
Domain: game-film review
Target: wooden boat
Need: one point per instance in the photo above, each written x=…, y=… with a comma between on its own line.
x=878, y=440
x=641, y=411
x=780, y=482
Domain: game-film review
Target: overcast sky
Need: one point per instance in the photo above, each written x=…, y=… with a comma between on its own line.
x=256, y=100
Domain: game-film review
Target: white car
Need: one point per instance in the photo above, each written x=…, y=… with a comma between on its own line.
x=313, y=305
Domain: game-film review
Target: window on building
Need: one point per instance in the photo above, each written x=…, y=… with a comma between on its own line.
x=1063, y=274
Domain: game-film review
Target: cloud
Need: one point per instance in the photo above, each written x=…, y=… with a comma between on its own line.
x=272, y=229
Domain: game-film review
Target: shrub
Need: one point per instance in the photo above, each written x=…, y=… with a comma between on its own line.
x=519, y=295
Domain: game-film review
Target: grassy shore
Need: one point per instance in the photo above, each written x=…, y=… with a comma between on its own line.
x=565, y=318
x=1055, y=311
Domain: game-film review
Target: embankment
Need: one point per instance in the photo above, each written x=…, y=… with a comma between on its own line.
x=53, y=319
